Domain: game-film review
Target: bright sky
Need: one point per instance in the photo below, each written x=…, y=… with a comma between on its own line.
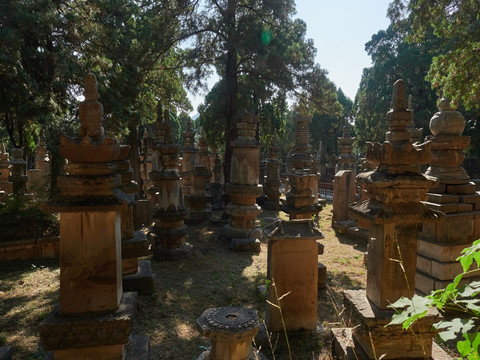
x=339, y=29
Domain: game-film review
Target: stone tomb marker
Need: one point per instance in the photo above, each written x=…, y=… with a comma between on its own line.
x=93, y=319
x=395, y=213
x=293, y=268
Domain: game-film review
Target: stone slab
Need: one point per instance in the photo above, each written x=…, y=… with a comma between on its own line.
x=443, y=270
x=464, y=189
x=446, y=208
x=142, y=281
x=345, y=347
x=138, y=348
x=439, y=251
x=6, y=353
x=245, y=244
x=442, y=198
x=425, y=283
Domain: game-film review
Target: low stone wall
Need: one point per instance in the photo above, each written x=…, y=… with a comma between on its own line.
x=29, y=249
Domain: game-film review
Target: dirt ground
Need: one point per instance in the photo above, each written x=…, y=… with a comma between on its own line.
x=213, y=276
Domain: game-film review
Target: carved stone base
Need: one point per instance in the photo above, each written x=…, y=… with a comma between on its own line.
x=63, y=333
x=345, y=347
x=389, y=342
x=163, y=254
x=138, y=348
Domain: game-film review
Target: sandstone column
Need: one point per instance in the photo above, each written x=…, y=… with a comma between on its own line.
x=39, y=177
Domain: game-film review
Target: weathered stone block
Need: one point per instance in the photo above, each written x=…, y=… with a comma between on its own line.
x=464, y=189
x=90, y=262
x=245, y=244
x=442, y=198
x=438, y=251
x=388, y=342
x=142, y=280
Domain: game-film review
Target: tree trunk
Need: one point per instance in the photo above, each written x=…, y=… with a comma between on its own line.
x=134, y=157
x=231, y=79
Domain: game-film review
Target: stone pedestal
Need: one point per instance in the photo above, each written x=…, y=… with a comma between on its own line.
x=93, y=319
x=169, y=230
x=455, y=196
x=370, y=332
x=231, y=330
x=395, y=212
x=293, y=268
x=243, y=188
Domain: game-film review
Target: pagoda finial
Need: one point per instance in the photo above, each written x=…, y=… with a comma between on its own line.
x=90, y=110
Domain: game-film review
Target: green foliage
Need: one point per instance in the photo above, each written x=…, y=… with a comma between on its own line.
x=21, y=218
x=454, y=72
x=394, y=58
x=461, y=298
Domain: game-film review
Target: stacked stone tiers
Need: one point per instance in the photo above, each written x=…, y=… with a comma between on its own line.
x=199, y=199
x=441, y=243
x=395, y=212
x=93, y=319
x=244, y=189
x=169, y=231
x=300, y=199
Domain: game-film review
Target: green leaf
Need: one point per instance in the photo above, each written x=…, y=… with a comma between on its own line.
x=449, y=329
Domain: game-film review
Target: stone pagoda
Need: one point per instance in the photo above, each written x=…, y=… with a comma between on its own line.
x=94, y=317
x=216, y=187
x=244, y=188
x=39, y=178
x=441, y=243
x=272, y=184
x=190, y=159
x=344, y=186
x=169, y=231
x=18, y=168
x=395, y=212
x=301, y=197
x=415, y=133
x=199, y=197
x=137, y=274
x=5, y=166
x=155, y=154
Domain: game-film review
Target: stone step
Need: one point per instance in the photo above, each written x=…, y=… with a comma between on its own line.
x=142, y=282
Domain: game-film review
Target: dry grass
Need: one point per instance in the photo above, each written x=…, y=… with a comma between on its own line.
x=214, y=276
